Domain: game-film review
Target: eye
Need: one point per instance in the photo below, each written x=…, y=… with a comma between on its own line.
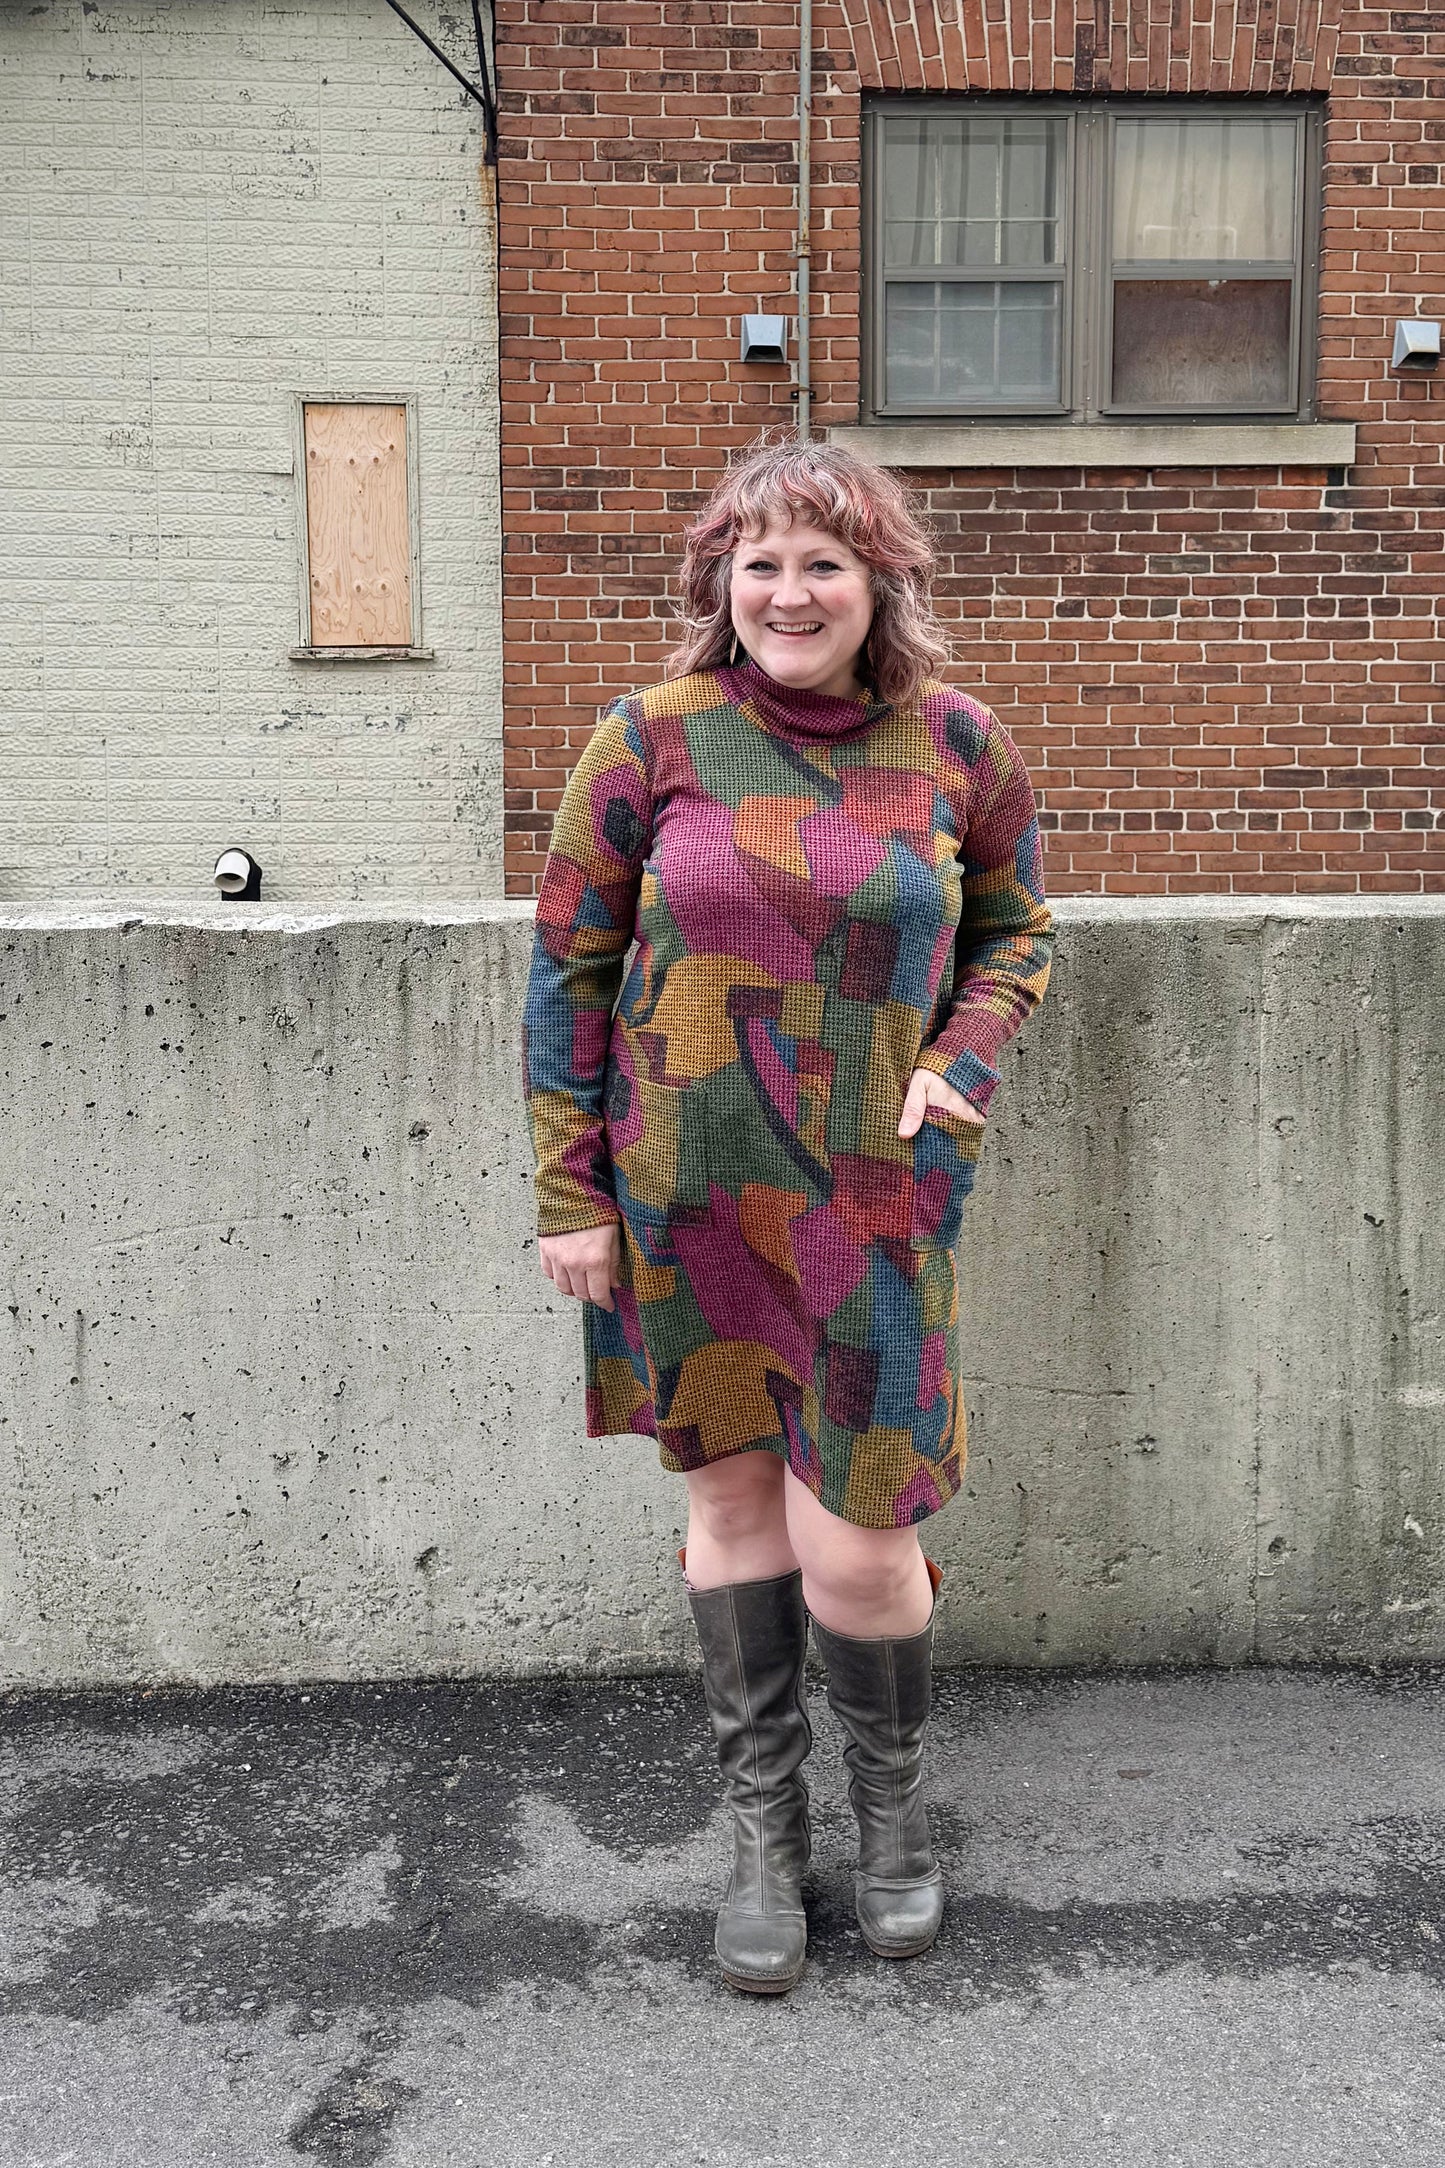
x=765, y=564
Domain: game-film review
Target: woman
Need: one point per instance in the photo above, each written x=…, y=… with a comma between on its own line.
x=830, y=863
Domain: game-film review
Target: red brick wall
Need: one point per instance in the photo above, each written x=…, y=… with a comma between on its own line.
x=1221, y=678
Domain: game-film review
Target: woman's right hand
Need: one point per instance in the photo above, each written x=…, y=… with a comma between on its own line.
x=587, y=1264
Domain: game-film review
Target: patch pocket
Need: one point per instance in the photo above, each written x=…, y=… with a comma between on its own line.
x=945, y=1160
x=657, y=1136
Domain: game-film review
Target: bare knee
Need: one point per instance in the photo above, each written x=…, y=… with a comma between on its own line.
x=857, y=1580
x=739, y=1498
x=737, y=1529
x=866, y=1570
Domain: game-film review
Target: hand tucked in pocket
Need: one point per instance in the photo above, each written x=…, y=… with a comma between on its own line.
x=926, y=1088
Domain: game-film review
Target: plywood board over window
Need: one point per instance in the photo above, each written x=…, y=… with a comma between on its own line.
x=357, y=459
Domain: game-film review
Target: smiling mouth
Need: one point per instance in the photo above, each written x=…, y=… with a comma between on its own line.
x=795, y=629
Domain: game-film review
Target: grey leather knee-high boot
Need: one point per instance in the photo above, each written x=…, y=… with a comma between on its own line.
x=754, y=1637
x=881, y=1693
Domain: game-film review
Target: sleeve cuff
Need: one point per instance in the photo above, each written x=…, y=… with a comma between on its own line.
x=965, y=1072
x=574, y=1226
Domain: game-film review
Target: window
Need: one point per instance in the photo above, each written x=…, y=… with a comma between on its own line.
x=1089, y=259
x=356, y=468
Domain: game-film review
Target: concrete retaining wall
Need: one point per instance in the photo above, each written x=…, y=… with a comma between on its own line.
x=285, y=1395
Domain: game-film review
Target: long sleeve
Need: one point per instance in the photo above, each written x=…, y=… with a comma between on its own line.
x=1004, y=942
x=586, y=911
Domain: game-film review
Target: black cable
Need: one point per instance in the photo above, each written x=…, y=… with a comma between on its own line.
x=490, y=103
x=482, y=97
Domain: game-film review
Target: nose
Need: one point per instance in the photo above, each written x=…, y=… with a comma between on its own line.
x=791, y=592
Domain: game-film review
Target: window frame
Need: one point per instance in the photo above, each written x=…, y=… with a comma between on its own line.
x=304, y=650
x=1086, y=222
x=1059, y=273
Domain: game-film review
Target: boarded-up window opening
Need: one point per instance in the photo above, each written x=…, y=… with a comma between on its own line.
x=359, y=513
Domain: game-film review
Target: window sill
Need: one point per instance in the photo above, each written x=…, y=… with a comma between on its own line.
x=1100, y=444
x=361, y=654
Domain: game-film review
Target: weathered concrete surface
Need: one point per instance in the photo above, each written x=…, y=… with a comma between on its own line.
x=284, y=1394
x=1192, y=1918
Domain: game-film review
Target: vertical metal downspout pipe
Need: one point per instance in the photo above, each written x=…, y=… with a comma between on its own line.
x=804, y=250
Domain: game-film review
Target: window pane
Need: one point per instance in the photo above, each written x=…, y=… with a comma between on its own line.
x=973, y=343
x=1204, y=190
x=971, y=193
x=1201, y=342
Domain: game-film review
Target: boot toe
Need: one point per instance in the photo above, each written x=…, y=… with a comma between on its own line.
x=900, y=1921
x=762, y=1952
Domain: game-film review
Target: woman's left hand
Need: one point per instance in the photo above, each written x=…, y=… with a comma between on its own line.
x=927, y=1088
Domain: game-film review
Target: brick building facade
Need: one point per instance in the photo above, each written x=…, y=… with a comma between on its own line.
x=1217, y=660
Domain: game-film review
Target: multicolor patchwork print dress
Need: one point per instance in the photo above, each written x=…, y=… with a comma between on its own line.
x=825, y=895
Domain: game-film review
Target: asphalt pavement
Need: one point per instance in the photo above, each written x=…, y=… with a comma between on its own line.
x=1194, y=1918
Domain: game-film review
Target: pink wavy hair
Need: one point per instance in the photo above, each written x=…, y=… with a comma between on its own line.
x=864, y=506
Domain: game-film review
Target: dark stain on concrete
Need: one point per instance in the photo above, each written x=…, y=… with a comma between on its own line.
x=349, y=2123
x=272, y=1798
x=339, y=1849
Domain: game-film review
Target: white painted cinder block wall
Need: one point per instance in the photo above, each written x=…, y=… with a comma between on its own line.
x=207, y=207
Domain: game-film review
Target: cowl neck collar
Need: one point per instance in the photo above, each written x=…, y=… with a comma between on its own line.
x=795, y=712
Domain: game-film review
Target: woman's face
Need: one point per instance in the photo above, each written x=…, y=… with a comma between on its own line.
x=801, y=606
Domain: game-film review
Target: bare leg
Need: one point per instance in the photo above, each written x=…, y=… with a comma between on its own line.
x=865, y=1582
x=737, y=1529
